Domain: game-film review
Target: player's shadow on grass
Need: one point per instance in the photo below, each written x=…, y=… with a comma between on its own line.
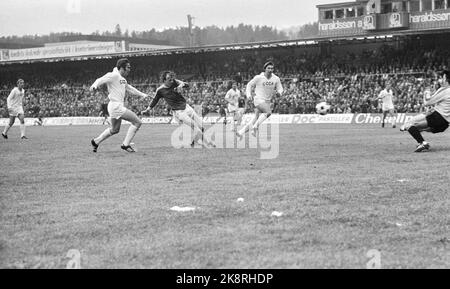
x=439, y=149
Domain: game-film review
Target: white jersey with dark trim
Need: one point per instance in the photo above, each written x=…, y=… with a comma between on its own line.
x=15, y=98
x=386, y=97
x=441, y=102
x=264, y=88
x=232, y=97
x=116, y=84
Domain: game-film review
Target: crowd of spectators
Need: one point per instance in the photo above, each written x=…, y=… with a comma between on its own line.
x=349, y=80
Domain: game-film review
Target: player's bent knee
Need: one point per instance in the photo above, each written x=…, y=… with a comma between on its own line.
x=114, y=131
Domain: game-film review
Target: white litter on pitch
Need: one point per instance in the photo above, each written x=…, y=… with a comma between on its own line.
x=182, y=209
x=240, y=200
x=276, y=214
x=402, y=180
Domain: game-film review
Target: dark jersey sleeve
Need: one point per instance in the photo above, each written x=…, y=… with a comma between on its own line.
x=185, y=85
x=155, y=100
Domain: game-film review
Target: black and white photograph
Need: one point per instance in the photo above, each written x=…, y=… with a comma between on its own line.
x=202, y=136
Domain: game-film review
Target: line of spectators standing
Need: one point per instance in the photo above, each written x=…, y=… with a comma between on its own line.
x=349, y=81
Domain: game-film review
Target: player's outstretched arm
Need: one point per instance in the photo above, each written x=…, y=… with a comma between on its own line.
x=181, y=85
x=153, y=103
x=102, y=80
x=135, y=91
x=146, y=110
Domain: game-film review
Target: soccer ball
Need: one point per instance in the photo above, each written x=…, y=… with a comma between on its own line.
x=322, y=108
x=427, y=95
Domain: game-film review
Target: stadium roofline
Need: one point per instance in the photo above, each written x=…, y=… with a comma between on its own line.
x=233, y=47
x=101, y=38
x=333, y=5
x=18, y=45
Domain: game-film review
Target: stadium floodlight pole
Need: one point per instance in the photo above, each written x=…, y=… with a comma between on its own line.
x=191, y=33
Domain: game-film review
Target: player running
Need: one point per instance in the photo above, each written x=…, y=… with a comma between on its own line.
x=15, y=109
x=170, y=90
x=104, y=112
x=266, y=85
x=232, y=97
x=386, y=96
x=437, y=119
x=117, y=86
x=242, y=105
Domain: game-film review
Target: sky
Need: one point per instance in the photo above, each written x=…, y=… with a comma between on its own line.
x=20, y=17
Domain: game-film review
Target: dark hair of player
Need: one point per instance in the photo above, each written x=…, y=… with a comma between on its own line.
x=446, y=72
x=163, y=75
x=267, y=64
x=122, y=63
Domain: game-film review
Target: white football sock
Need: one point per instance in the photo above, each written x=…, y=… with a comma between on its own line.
x=5, y=131
x=247, y=126
x=130, y=135
x=260, y=120
x=104, y=135
x=197, y=135
x=22, y=130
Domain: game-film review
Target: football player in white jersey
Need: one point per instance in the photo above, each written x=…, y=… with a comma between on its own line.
x=265, y=85
x=232, y=97
x=386, y=96
x=15, y=109
x=117, y=86
x=437, y=119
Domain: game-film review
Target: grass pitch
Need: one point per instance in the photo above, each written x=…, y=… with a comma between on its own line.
x=343, y=190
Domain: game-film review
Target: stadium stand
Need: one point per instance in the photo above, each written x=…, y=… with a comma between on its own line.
x=348, y=74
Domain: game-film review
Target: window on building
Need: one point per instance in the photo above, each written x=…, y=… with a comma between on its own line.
x=386, y=8
x=361, y=11
x=439, y=4
x=405, y=6
x=328, y=14
x=351, y=12
x=398, y=6
x=414, y=6
x=339, y=13
x=426, y=5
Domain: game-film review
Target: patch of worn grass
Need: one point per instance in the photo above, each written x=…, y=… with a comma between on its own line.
x=343, y=189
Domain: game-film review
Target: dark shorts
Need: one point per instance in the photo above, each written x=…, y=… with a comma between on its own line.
x=436, y=122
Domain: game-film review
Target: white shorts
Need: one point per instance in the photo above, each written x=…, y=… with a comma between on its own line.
x=232, y=108
x=387, y=108
x=258, y=101
x=116, y=109
x=15, y=111
x=186, y=116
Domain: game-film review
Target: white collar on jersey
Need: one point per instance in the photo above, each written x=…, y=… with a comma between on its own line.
x=264, y=74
